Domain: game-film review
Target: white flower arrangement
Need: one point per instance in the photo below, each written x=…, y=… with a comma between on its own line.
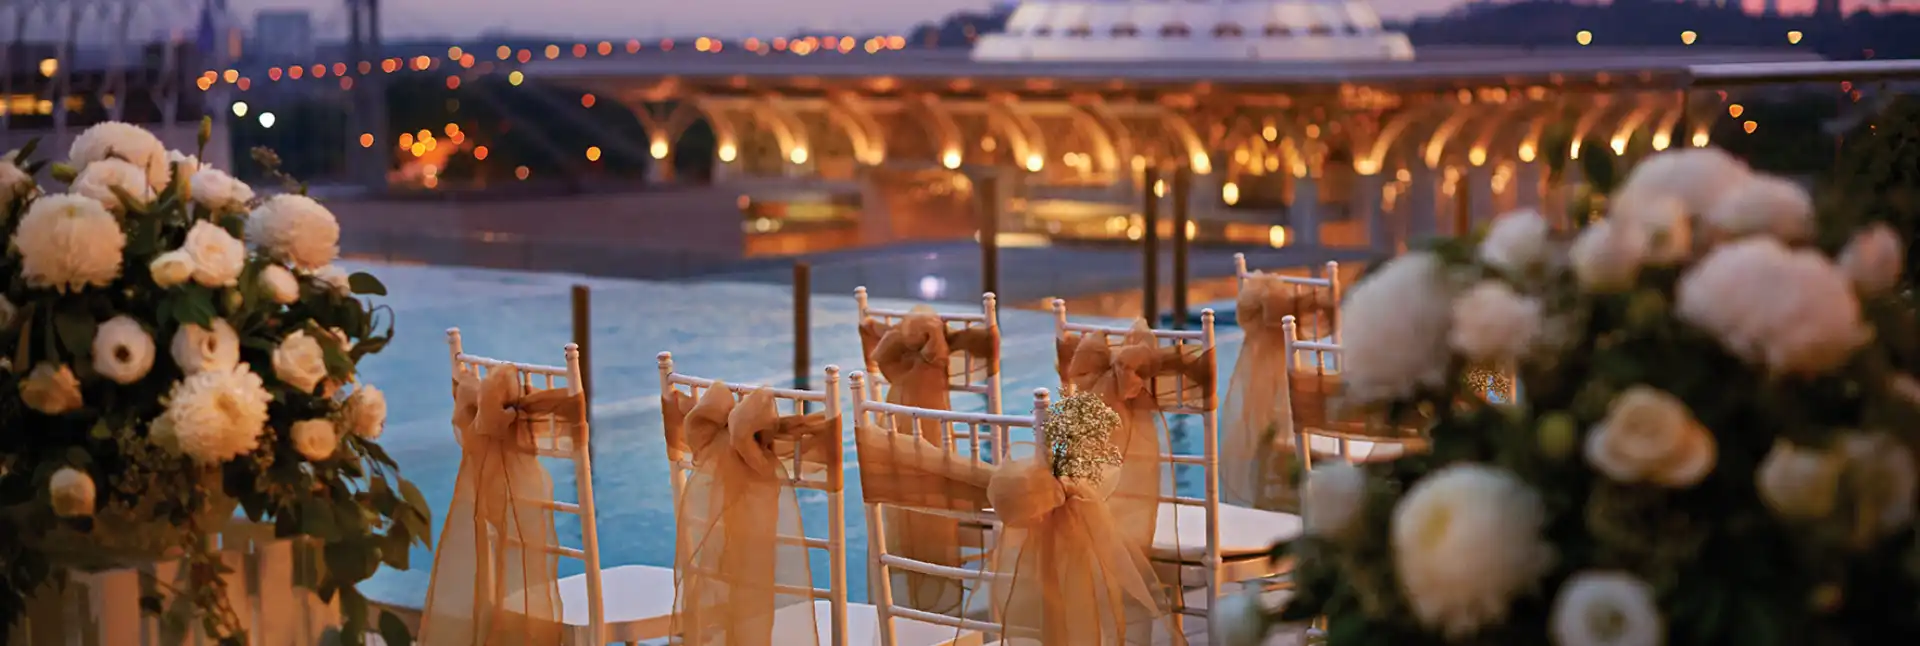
x=145, y=245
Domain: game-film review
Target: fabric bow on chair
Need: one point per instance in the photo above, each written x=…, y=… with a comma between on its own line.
x=1064, y=574
x=1135, y=378
x=1258, y=412
x=738, y=559
x=916, y=355
x=493, y=577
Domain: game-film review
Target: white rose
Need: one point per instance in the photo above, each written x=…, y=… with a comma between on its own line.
x=1493, y=324
x=185, y=165
x=1517, y=241
x=197, y=349
x=299, y=362
x=1243, y=619
x=1665, y=223
x=1798, y=483
x=122, y=350
x=1789, y=310
x=1332, y=498
x=1650, y=436
x=296, y=229
x=217, y=256
x=216, y=415
x=1698, y=177
x=71, y=493
x=335, y=278
x=1394, y=328
x=99, y=179
x=1466, y=541
x=1607, y=256
x=117, y=140
x=314, y=439
x=51, y=389
x=69, y=243
x=280, y=284
x=1606, y=609
x=1880, y=474
x=215, y=189
x=1764, y=205
x=367, y=412
x=171, y=268
x=14, y=183
x=1874, y=260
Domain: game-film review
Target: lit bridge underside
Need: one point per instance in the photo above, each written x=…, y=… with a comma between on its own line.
x=1368, y=153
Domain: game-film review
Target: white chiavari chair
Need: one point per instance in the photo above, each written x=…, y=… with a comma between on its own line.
x=589, y=619
x=1328, y=283
x=969, y=373
x=905, y=626
x=1355, y=441
x=1223, y=543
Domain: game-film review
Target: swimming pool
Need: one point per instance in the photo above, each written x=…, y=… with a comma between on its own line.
x=741, y=332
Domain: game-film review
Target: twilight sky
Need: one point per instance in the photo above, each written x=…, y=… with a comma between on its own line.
x=625, y=18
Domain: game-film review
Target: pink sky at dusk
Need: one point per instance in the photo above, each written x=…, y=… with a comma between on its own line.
x=611, y=18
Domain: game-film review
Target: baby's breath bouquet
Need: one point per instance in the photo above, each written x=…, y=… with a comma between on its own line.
x=158, y=374
x=1713, y=442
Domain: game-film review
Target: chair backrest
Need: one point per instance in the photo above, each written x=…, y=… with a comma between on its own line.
x=1328, y=282
x=969, y=373
x=1179, y=395
x=1310, y=381
x=555, y=440
x=828, y=477
x=881, y=562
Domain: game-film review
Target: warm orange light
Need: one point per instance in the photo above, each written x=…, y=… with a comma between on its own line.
x=245, y=84
x=339, y=69
x=524, y=56
x=1584, y=37
x=553, y=52
x=503, y=52
x=579, y=51
x=466, y=62
x=780, y=44
x=203, y=83
x=366, y=67
x=417, y=149
x=1749, y=126
x=453, y=82
x=458, y=138
x=1793, y=37
x=319, y=71
x=633, y=46
x=593, y=153
x=231, y=76
x=702, y=44
x=422, y=62
x=605, y=48
x=521, y=172
x=346, y=82
x=273, y=73
x=586, y=100
x=366, y=140
x=1735, y=110
x=666, y=44
x=480, y=152
x=752, y=44
x=406, y=140
x=718, y=45
x=452, y=129
x=295, y=72
x=389, y=66
x=1688, y=37
x=453, y=53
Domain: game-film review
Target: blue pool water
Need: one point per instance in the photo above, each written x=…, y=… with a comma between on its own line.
x=740, y=332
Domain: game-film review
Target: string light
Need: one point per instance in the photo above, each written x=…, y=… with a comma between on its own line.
x=366, y=140
x=593, y=153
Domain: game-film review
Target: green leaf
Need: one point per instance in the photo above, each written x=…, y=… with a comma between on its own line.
x=394, y=631
x=361, y=282
x=192, y=304
x=413, y=497
x=75, y=327
x=26, y=152
x=316, y=520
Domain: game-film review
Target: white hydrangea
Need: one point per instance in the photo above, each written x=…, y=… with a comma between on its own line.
x=71, y=493
x=215, y=189
x=198, y=349
x=1517, y=241
x=1666, y=224
x=296, y=229
x=122, y=350
x=1395, y=327
x=217, y=256
x=101, y=177
x=1607, y=256
x=1790, y=310
x=1697, y=177
x=217, y=415
x=1466, y=541
x=1332, y=498
x=124, y=141
x=1597, y=608
x=1494, y=324
x=1764, y=205
x=69, y=243
x=314, y=439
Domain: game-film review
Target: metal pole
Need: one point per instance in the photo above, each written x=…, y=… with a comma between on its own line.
x=1182, y=194
x=1150, y=244
x=583, y=339
x=986, y=187
x=802, y=323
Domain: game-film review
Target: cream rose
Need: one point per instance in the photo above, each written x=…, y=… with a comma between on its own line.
x=1606, y=609
x=51, y=389
x=280, y=284
x=1799, y=483
x=1764, y=205
x=1874, y=260
x=1649, y=436
x=1517, y=241
x=299, y=362
x=366, y=412
x=122, y=350
x=1332, y=498
x=1792, y=311
x=69, y=243
x=217, y=256
x=1880, y=474
x=1698, y=177
x=171, y=268
x=314, y=439
x=1466, y=541
x=71, y=493
x=200, y=348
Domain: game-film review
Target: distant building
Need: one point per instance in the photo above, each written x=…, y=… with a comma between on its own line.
x=283, y=33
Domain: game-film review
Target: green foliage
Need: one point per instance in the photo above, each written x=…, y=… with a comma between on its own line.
x=353, y=504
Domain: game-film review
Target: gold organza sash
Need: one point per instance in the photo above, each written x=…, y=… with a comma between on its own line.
x=1138, y=379
x=1064, y=573
x=916, y=357
x=740, y=568
x=1256, y=416
x=493, y=578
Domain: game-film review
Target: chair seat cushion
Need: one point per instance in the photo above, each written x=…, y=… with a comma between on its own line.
x=1181, y=531
x=1360, y=451
x=639, y=599
x=863, y=628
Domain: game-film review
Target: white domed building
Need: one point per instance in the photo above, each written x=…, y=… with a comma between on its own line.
x=1259, y=30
